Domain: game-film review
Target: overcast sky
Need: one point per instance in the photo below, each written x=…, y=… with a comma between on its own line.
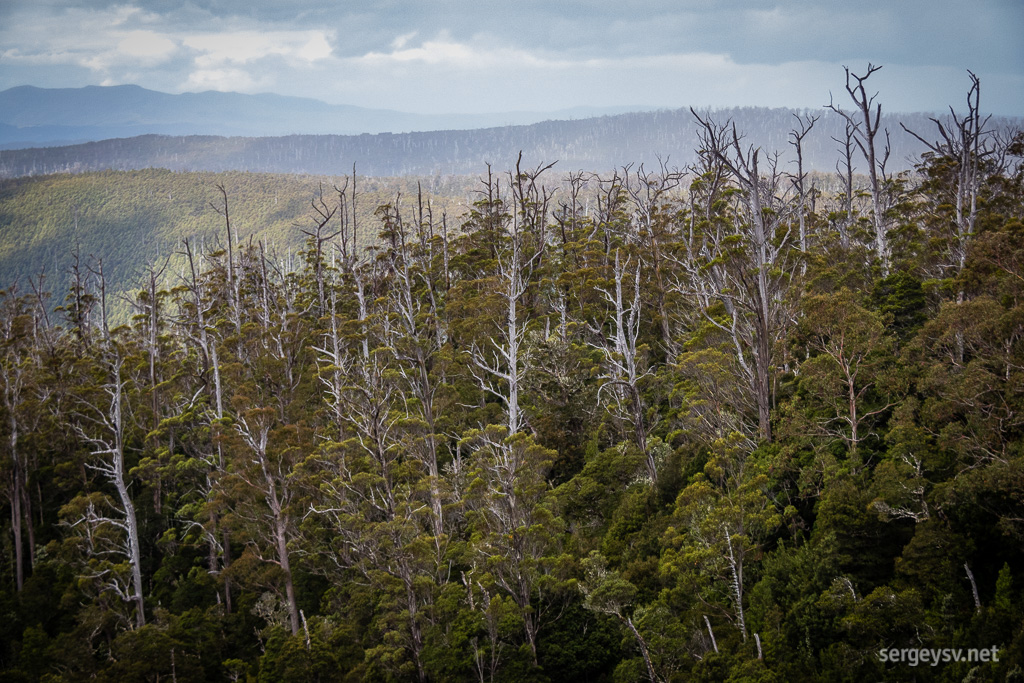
x=485, y=56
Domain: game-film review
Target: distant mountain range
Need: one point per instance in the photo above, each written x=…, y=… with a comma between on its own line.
x=132, y=128
x=38, y=117
x=594, y=144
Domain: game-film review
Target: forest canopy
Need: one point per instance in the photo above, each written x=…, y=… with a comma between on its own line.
x=716, y=423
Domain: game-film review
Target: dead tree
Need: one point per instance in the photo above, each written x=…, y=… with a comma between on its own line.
x=804, y=126
x=148, y=305
x=101, y=424
x=505, y=361
x=14, y=375
x=649, y=193
x=500, y=370
x=266, y=474
x=844, y=171
x=366, y=499
x=197, y=312
x=416, y=337
x=623, y=372
x=233, y=283
x=866, y=126
x=964, y=142
x=95, y=267
x=317, y=238
x=744, y=262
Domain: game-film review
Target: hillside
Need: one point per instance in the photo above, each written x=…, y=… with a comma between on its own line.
x=597, y=144
x=133, y=218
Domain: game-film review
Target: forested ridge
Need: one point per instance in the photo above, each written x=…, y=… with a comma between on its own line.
x=592, y=144
x=642, y=425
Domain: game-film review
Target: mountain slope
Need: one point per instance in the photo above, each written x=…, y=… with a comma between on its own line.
x=594, y=144
x=43, y=116
x=133, y=218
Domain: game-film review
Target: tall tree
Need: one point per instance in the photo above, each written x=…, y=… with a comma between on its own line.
x=865, y=126
x=743, y=261
x=102, y=422
x=955, y=168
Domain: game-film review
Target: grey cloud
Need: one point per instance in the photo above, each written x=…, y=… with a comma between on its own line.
x=907, y=31
x=532, y=40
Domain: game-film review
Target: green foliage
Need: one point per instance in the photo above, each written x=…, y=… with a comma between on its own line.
x=323, y=482
x=901, y=297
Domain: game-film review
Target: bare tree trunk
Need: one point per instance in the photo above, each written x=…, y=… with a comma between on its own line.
x=29, y=526
x=621, y=358
x=12, y=378
x=966, y=144
x=255, y=434
x=736, y=568
x=110, y=444
x=806, y=124
x=865, y=131
x=126, y=500
x=648, y=194
x=974, y=587
x=642, y=644
x=286, y=567
x=753, y=289
x=506, y=361
x=19, y=563
x=414, y=626
x=208, y=347
x=844, y=169
x=714, y=643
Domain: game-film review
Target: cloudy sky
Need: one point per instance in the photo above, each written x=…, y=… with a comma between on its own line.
x=486, y=55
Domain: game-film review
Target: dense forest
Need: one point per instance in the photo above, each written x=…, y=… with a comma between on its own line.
x=592, y=144
x=706, y=426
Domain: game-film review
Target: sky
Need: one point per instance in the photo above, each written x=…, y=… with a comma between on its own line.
x=476, y=56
